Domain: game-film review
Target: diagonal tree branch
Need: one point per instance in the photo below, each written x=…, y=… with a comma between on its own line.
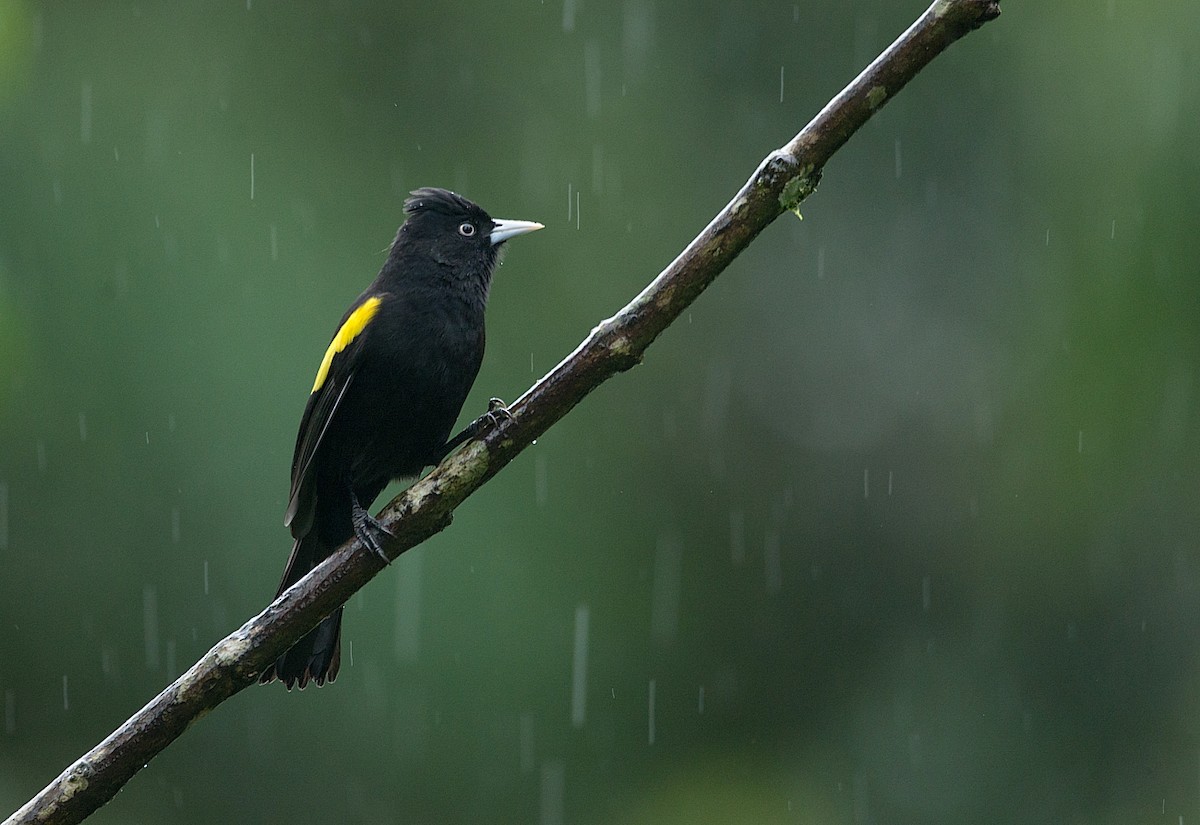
x=784, y=179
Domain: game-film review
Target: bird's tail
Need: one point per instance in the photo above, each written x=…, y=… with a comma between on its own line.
x=318, y=655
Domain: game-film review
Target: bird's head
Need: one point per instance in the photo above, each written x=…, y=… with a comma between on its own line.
x=455, y=231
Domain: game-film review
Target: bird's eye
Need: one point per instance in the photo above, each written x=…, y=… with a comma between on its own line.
x=466, y=229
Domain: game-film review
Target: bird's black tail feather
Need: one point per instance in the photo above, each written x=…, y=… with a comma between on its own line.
x=318, y=654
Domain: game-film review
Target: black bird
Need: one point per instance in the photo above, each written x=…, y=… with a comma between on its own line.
x=387, y=394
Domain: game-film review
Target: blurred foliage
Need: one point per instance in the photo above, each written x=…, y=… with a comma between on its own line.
x=19, y=38
x=898, y=525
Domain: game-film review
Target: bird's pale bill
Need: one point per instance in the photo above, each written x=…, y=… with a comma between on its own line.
x=503, y=230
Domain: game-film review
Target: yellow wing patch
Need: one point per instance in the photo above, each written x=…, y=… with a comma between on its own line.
x=350, y=330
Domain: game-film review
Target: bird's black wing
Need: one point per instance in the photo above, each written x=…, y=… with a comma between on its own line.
x=334, y=378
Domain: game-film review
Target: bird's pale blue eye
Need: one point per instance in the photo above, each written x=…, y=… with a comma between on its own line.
x=466, y=229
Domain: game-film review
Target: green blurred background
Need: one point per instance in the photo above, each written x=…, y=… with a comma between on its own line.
x=898, y=525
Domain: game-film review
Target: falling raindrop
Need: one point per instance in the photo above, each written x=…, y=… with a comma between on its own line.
x=866, y=482
x=1079, y=443
x=526, y=742
x=650, y=731
x=85, y=113
x=772, y=567
x=251, y=176
x=568, y=21
x=579, y=663
x=700, y=701
x=206, y=577
x=541, y=488
x=598, y=168
x=890, y=474
x=781, y=84
x=408, y=609
x=3, y=515
x=553, y=792
x=637, y=38
x=274, y=243
x=664, y=605
x=718, y=396
x=66, y=694
x=591, y=78
x=737, y=536
x=83, y=430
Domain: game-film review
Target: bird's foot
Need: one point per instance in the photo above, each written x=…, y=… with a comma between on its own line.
x=497, y=411
x=370, y=532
